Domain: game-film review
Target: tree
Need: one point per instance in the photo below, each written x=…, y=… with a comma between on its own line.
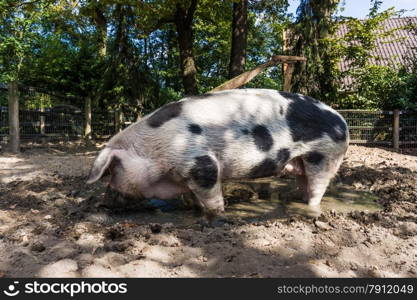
x=239, y=38
x=184, y=24
x=267, y=19
x=311, y=34
x=18, y=33
x=371, y=86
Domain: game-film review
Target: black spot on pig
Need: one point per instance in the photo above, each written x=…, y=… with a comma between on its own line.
x=245, y=131
x=283, y=155
x=194, y=128
x=164, y=114
x=281, y=111
x=204, y=172
x=266, y=168
x=263, y=138
x=308, y=122
x=314, y=157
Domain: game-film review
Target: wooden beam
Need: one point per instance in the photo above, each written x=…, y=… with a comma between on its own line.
x=249, y=75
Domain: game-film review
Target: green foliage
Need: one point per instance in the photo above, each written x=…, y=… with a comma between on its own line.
x=407, y=92
x=212, y=48
x=313, y=37
x=372, y=86
x=377, y=87
x=36, y=100
x=267, y=21
x=124, y=54
x=19, y=32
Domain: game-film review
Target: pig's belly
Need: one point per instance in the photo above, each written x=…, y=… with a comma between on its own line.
x=164, y=189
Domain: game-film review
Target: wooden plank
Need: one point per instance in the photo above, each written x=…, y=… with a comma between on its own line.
x=369, y=142
x=249, y=75
x=367, y=127
x=408, y=142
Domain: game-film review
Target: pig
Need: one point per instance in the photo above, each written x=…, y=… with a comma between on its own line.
x=195, y=144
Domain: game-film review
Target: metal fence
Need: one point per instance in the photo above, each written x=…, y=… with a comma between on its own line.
x=35, y=125
x=39, y=126
x=408, y=129
x=376, y=128
x=371, y=128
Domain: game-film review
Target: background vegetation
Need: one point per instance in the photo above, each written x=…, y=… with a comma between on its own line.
x=141, y=54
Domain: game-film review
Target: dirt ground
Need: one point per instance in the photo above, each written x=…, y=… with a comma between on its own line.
x=53, y=225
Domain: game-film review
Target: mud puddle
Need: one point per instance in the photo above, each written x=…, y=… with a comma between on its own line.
x=279, y=198
x=264, y=199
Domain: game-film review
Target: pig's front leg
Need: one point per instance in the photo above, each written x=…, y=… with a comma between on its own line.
x=204, y=182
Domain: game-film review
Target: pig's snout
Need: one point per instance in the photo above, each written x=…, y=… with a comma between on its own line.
x=294, y=167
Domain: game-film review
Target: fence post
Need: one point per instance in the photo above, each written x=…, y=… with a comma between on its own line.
x=396, y=129
x=87, y=119
x=116, y=121
x=288, y=70
x=14, y=131
x=42, y=124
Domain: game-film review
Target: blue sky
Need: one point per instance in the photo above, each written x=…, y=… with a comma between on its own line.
x=360, y=8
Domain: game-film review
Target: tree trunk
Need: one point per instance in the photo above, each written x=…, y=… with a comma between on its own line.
x=239, y=38
x=183, y=23
x=14, y=133
x=87, y=120
x=100, y=23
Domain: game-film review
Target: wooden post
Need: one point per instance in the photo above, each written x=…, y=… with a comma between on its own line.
x=286, y=73
x=288, y=70
x=118, y=119
x=87, y=119
x=396, y=130
x=42, y=124
x=14, y=132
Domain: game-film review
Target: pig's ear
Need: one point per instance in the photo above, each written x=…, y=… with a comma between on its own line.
x=101, y=164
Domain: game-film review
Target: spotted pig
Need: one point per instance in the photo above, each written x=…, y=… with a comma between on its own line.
x=197, y=143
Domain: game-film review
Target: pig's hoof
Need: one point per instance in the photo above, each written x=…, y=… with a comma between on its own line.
x=219, y=222
x=203, y=222
x=216, y=221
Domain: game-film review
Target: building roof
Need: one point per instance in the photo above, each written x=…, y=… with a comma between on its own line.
x=390, y=51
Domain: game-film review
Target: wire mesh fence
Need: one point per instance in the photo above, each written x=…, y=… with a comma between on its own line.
x=371, y=128
x=103, y=124
x=35, y=125
x=375, y=128
x=408, y=129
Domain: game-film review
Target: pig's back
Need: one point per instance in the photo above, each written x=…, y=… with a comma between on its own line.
x=234, y=113
x=240, y=127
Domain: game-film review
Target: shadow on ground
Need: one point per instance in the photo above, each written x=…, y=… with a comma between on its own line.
x=56, y=226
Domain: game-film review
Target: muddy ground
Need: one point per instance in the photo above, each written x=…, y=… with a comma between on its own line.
x=52, y=225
